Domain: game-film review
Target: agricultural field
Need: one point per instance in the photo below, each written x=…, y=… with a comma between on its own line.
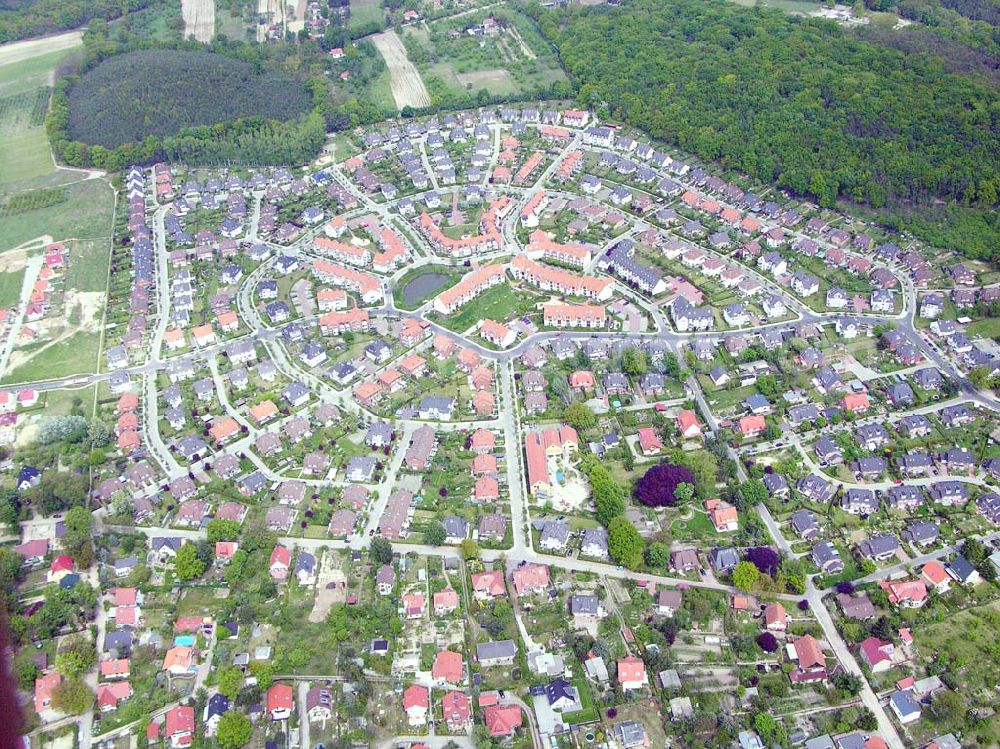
x=25, y=86
x=502, y=53
x=408, y=89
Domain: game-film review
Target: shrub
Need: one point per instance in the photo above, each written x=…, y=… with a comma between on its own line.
x=767, y=642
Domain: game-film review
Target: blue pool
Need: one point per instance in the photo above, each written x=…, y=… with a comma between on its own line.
x=184, y=640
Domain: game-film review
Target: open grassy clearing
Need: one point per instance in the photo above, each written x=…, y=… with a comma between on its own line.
x=10, y=288
x=88, y=265
x=365, y=12
x=85, y=214
x=73, y=355
x=380, y=92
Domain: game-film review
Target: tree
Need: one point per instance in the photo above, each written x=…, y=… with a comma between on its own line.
x=609, y=496
x=883, y=629
x=99, y=434
x=634, y=362
x=187, y=565
x=657, y=555
x=11, y=572
x=752, y=492
x=10, y=508
x=469, y=549
x=25, y=671
x=434, y=533
x=79, y=536
x=220, y=529
x=481, y=737
x=235, y=730
x=765, y=559
x=974, y=551
x=263, y=673
x=230, y=681
x=849, y=683
x=770, y=730
x=69, y=429
x=746, y=576
x=949, y=707
x=76, y=658
x=624, y=543
x=72, y=696
x=767, y=642
x=684, y=492
x=380, y=551
x=57, y=491
x=580, y=416
x=658, y=486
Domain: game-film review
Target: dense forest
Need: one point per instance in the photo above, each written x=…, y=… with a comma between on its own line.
x=297, y=106
x=22, y=19
x=798, y=102
x=160, y=92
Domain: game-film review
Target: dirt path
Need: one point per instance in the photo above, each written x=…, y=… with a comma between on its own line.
x=407, y=86
x=25, y=50
x=199, y=19
x=524, y=47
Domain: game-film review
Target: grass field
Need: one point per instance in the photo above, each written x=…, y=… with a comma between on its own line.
x=365, y=12
x=965, y=643
x=499, y=303
x=24, y=86
x=88, y=266
x=86, y=214
x=380, y=93
x=74, y=355
x=10, y=288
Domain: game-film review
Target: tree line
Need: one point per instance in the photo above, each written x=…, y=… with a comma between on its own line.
x=23, y=20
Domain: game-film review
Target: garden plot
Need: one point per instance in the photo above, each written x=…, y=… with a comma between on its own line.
x=331, y=587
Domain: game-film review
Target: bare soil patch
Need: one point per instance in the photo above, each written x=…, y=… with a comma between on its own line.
x=199, y=19
x=331, y=587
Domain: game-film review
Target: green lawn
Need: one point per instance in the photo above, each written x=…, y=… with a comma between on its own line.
x=697, y=526
x=10, y=288
x=36, y=71
x=987, y=328
x=498, y=303
x=24, y=148
x=344, y=146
